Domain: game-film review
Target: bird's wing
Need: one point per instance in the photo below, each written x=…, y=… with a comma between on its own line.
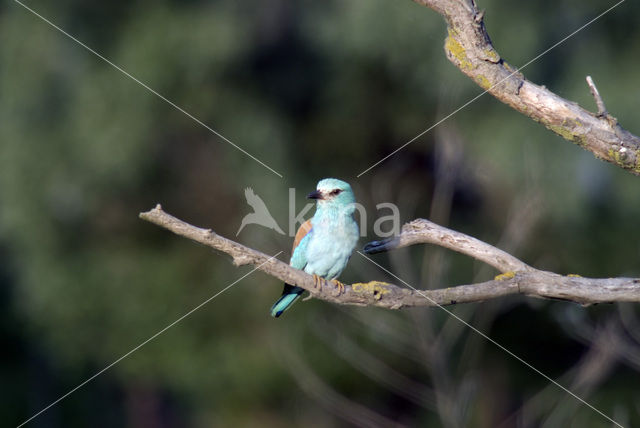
x=304, y=229
x=299, y=254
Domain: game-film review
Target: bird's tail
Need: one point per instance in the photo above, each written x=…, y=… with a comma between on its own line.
x=289, y=295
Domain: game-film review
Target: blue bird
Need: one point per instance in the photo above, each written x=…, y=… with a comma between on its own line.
x=323, y=245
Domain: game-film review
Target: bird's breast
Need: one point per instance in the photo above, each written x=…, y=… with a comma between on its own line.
x=329, y=249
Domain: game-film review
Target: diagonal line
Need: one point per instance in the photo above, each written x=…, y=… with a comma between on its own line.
x=149, y=340
x=171, y=103
x=491, y=340
x=490, y=88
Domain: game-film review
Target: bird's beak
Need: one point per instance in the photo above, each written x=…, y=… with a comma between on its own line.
x=315, y=195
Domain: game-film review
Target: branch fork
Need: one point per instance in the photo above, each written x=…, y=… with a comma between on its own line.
x=469, y=48
x=516, y=276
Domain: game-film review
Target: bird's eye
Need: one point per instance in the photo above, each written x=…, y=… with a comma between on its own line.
x=335, y=192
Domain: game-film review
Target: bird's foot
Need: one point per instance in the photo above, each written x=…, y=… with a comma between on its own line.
x=317, y=281
x=339, y=285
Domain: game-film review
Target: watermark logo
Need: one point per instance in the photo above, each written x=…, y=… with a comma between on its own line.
x=384, y=226
x=260, y=214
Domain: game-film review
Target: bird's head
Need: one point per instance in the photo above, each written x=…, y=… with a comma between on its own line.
x=331, y=192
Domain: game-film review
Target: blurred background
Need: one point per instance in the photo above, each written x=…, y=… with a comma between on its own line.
x=313, y=89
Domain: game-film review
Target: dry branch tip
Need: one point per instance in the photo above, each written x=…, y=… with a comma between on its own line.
x=602, y=110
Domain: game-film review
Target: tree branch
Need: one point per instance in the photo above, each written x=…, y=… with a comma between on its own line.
x=422, y=231
x=602, y=110
x=525, y=280
x=469, y=47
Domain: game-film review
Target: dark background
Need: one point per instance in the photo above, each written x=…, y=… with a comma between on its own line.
x=314, y=89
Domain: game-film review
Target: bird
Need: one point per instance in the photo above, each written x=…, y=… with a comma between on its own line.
x=323, y=245
x=260, y=214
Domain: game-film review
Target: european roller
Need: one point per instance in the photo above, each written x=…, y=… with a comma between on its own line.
x=323, y=245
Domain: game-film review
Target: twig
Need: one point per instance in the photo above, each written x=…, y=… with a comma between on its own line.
x=469, y=48
x=526, y=280
x=602, y=110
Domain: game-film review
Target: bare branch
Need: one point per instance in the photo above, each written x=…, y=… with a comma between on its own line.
x=526, y=280
x=469, y=47
x=602, y=110
x=423, y=231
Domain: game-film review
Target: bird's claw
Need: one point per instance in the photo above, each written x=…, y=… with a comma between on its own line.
x=317, y=281
x=340, y=286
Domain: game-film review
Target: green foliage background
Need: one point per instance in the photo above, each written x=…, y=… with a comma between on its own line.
x=313, y=89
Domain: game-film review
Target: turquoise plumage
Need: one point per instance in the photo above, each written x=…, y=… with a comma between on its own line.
x=323, y=245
